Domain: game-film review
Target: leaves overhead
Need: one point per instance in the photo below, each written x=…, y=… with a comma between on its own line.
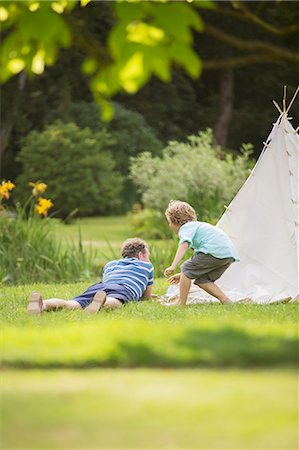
x=147, y=38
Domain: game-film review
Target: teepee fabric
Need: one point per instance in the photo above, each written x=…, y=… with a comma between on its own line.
x=263, y=222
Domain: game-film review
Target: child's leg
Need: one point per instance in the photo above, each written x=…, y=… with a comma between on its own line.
x=36, y=305
x=185, y=284
x=97, y=302
x=212, y=289
x=57, y=303
x=112, y=303
x=100, y=301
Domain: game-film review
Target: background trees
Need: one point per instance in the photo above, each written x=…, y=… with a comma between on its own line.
x=246, y=52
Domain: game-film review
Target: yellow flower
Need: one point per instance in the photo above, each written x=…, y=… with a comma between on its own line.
x=5, y=188
x=43, y=206
x=38, y=188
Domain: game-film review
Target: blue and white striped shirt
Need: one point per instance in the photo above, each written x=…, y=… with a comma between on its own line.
x=132, y=273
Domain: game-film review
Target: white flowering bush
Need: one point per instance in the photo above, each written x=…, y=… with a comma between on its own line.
x=196, y=171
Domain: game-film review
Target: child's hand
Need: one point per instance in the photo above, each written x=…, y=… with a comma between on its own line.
x=175, y=279
x=168, y=271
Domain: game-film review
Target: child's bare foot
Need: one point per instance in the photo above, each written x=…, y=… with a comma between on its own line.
x=35, y=304
x=97, y=302
x=226, y=302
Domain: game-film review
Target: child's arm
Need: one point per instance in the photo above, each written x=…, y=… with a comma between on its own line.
x=148, y=292
x=182, y=248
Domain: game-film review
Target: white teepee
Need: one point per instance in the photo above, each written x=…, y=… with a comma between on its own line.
x=263, y=222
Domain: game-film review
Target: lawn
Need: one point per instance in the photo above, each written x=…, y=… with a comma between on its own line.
x=96, y=229
x=104, y=234
x=145, y=376
x=152, y=409
x=146, y=334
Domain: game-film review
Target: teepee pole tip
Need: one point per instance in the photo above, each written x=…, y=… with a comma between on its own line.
x=293, y=99
x=284, y=100
x=277, y=106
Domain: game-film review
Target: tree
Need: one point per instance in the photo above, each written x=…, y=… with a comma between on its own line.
x=145, y=39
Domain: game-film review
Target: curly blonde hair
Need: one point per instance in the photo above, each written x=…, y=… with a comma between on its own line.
x=132, y=247
x=179, y=213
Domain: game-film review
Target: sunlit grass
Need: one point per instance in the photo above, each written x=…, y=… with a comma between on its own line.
x=146, y=334
x=154, y=409
x=96, y=229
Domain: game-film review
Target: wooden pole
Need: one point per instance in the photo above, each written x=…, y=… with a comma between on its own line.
x=293, y=99
x=284, y=107
x=277, y=106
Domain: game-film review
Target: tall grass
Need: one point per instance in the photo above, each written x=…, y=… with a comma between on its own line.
x=29, y=253
x=162, y=254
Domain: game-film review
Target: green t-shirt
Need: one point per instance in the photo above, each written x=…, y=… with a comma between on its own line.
x=206, y=238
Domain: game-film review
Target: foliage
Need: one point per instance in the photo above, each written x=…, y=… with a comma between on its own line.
x=35, y=33
x=130, y=135
x=146, y=39
x=149, y=224
x=196, y=171
x=146, y=334
x=28, y=250
x=85, y=179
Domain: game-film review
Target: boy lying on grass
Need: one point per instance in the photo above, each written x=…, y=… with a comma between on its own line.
x=124, y=280
x=213, y=253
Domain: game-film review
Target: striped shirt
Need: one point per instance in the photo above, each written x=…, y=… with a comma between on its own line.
x=132, y=273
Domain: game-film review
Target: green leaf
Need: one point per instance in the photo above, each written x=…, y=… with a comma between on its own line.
x=187, y=58
x=84, y=2
x=204, y=4
x=128, y=12
x=89, y=66
x=145, y=34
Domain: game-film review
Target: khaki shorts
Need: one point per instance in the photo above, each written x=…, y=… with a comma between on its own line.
x=204, y=268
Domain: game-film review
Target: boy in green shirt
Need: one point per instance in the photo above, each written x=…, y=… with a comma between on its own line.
x=213, y=253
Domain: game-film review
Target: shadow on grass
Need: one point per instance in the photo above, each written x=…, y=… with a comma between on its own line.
x=223, y=347
x=226, y=347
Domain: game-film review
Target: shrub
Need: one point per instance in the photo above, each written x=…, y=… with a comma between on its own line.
x=196, y=171
x=77, y=159
x=150, y=224
x=130, y=135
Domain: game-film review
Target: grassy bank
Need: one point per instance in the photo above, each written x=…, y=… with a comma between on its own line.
x=146, y=334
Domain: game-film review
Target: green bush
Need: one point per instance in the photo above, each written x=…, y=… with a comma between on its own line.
x=196, y=171
x=130, y=135
x=79, y=162
x=150, y=224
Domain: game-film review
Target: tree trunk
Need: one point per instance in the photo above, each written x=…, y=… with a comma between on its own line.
x=10, y=102
x=226, y=100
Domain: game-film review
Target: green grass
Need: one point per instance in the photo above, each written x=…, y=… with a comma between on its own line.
x=99, y=229
x=104, y=234
x=100, y=232
x=146, y=334
x=108, y=381
x=152, y=409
